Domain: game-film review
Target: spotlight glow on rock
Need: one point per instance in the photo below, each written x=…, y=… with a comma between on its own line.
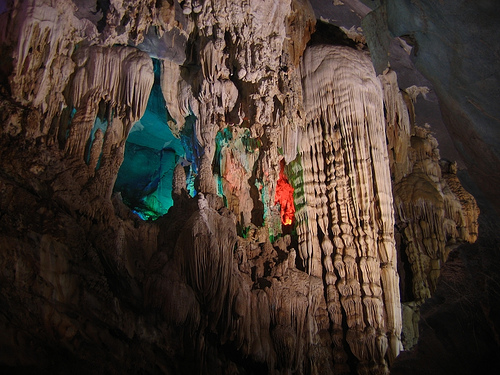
x=284, y=196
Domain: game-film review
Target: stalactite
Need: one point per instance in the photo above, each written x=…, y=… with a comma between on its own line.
x=95, y=150
x=310, y=247
x=127, y=21
x=216, y=280
x=82, y=123
x=345, y=155
x=111, y=158
x=218, y=95
x=122, y=76
x=178, y=96
x=256, y=53
x=47, y=34
x=398, y=126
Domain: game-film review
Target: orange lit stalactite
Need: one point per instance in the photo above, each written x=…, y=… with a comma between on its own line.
x=284, y=196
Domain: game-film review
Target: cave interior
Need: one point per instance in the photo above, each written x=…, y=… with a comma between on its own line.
x=249, y=187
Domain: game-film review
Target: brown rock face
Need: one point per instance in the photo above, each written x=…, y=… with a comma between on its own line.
x=231, y=280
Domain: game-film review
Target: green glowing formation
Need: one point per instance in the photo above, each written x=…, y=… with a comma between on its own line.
x=151, y=154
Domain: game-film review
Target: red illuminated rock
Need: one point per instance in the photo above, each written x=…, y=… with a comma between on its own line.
x=284, y=197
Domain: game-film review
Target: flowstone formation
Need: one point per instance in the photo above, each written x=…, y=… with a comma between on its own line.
x=298, y=180
x=434, y=213
x=346, y=232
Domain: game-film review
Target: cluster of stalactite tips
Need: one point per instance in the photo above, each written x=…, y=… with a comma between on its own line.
x=306, y=183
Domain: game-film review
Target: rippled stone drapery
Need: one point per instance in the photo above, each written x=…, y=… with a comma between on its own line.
x=346, y=227
x=220, y=282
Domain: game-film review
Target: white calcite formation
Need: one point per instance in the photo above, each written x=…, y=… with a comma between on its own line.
x=120, y=80
x=44, y=36
x=435, y=214
x=220, y=284
x=253, y=44
x=346, y=230
x=45, y=61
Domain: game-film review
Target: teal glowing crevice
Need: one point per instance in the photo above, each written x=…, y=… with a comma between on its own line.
x=151, y=154
x=145, y=179
x=192, y=153
x=222, y=139
x=251, y=144
x=264, y=194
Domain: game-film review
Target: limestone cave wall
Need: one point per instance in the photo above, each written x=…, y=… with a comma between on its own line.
x=212, y=187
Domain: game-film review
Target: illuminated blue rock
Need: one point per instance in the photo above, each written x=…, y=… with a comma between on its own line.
x=151, y=154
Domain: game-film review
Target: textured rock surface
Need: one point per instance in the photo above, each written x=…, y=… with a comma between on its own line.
x=452, y=52
x=434, y=214
x=237, y=277
x=348, y=203
x=462, y=66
